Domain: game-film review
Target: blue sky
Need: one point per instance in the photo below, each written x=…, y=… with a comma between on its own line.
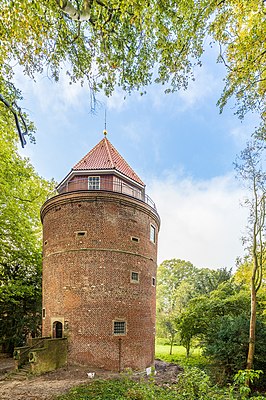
x=178, y=144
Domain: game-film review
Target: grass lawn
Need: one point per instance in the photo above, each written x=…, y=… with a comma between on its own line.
x=179, y=355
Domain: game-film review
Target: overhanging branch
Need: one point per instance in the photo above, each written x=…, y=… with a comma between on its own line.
x=16, y=111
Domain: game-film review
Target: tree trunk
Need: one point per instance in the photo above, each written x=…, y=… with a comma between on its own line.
x=171, y=344
x=188, y=348
x=252, y=326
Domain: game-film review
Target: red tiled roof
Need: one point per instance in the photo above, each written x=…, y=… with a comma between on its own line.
x=105, y=157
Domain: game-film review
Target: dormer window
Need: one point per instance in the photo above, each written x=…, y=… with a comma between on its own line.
x=94, y=183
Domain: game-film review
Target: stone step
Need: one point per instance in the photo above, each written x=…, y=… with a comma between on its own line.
x=20, y=374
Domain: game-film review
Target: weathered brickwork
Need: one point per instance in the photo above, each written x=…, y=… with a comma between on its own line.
x=92, y=242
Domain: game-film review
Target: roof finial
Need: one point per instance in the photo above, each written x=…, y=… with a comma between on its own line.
x=105, y=131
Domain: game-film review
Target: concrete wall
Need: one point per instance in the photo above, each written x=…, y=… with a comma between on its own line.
x=50, y=357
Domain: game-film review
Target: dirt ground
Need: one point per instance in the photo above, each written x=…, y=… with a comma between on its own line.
x=49, y=385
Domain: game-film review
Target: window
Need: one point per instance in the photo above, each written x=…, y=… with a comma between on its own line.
x=134, y=276
x=43, y=312
x=134, y=239
x=93, y=182
x=152, y=233
x=119, y=327
x=81, y=233
x=153, y=281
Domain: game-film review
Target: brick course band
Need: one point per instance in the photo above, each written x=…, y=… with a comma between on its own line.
x=98, y=249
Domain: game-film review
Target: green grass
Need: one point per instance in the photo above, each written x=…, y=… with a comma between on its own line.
x=178, y=356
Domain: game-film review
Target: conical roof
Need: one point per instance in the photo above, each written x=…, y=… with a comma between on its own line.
x=104, y=156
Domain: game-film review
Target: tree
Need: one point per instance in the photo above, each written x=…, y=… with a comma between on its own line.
x=171, y=274
x=249, y=169
x=174, y=289
x=209, y=279
x=243, y=277
x=178, y=282
x=22, y=193
x=204, y=310
x=133, y=43
x=226, y=344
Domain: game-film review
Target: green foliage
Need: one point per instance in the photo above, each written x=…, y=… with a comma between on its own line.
x=239, y=27
x=196, y=384
x=178, y=356
x=241, y=384
x=208, y=280
x=195, y=320
x=193, y=384
x=226, y=343
x=173, y=274
x=22, y=193
x=220, y=320
x=174, y=290
x=178, y=283
x=249, y=168
x=105, y=44
x=120, y=389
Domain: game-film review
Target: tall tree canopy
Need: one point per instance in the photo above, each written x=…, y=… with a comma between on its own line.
x=22, y=193
x=132, y=43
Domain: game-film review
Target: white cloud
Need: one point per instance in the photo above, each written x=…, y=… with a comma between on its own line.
x=198, y=91
x=205, y=87
x=201, y=222
x=242, y=132
x=116, y=101
x=55, y=97
x=133, y=130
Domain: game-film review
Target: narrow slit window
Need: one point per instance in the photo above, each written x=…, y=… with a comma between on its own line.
x=81, y=233
x=153, y=281
x=119, y=327
x=152, y=233
x=43, y=312
x=135, y=239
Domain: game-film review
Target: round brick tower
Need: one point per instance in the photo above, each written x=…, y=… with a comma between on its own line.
x=99, y=263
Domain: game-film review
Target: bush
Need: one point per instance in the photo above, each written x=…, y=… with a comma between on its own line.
x=226, y=345
x=119, y=389
x=194, y=384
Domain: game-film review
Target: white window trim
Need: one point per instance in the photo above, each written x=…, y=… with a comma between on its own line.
x=152, y=229
x=99, y=181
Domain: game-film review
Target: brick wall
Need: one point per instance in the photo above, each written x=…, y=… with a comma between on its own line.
x=93, y=241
